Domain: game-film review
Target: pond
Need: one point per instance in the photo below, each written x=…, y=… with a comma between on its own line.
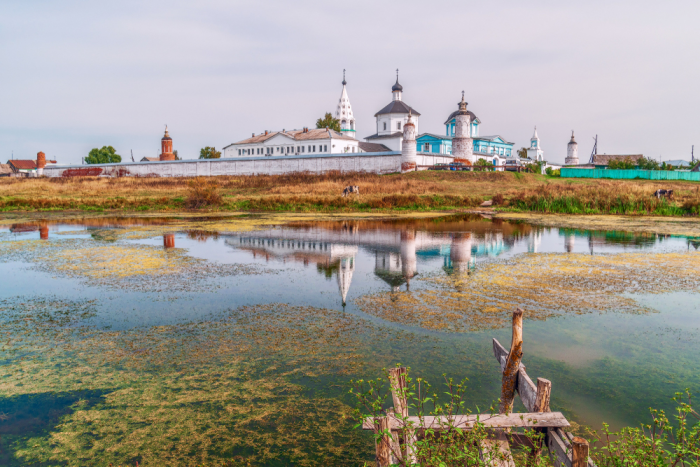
x=232, y=341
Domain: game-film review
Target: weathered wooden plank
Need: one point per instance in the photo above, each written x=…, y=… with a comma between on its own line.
x=561, y=454
x=495, y=452
x=512, y=420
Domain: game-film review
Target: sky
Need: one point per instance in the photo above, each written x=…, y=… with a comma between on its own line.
x=75, y=75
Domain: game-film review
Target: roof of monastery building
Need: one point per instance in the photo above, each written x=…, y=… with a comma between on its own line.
x=373, y=147
x=390, y=135
x=297, y=135
x=472, y=116
x=397, y=107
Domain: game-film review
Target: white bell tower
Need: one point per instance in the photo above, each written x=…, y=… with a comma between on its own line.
x=535, y=151
x=344, y=112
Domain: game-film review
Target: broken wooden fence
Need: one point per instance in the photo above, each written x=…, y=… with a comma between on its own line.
x=565, y=449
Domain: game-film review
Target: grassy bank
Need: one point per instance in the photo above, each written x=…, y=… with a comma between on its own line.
x=417, y=191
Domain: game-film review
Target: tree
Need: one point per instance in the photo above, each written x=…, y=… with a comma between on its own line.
x=328, y=121
x=106, y=155
x=522, y=153
x=209, y=153
x=622, y=164
x=645, y=163
x=177, y=158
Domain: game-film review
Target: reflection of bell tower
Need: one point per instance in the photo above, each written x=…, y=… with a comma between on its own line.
x=44, y=232
x=461, y=252
x=168, y=240
x=345, y=270
x=534, y=241
x=569, y=242
x=408, y=256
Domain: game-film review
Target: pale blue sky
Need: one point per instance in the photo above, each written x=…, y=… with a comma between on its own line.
x=79, y=74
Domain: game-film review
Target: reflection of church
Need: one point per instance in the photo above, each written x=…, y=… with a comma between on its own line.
x=396, y=251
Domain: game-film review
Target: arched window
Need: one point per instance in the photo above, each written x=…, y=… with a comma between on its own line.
x=385, y=125
x=398, y=125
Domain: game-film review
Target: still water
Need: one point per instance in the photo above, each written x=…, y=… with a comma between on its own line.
x=214, y=340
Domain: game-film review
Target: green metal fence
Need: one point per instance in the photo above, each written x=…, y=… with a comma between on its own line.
x=569, y=172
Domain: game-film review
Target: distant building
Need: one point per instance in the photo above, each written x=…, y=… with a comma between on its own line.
x=535, y=151
x=392, y=118
x=572, y=152
x=292, y=143
x=603, y=160
x=484, y=147
x=678, y=163
x=166, y=144
x=344, y=113
x=150, y=159
x=5, y=170
x=23, y=167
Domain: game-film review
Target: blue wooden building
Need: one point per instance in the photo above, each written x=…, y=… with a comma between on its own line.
x=483, y=145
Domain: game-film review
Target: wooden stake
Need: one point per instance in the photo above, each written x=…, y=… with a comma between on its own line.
x=510, y=374
x=384, y=443
x=579, y=452
x=544, y=391
x=397, y=377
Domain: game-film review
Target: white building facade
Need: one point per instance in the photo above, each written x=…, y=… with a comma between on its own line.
x=293, y=143
x=572, y=152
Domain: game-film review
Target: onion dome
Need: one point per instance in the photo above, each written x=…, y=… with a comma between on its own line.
x=167, y=136
x=397, y=86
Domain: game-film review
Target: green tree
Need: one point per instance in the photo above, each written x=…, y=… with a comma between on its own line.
x=209, y=153
x=645, y=163
x=177, y=157
x=328, y=121
x=622, y=164
x=106, y=155
x=522, y=153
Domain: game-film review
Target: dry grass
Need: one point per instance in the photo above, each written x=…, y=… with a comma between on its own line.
x=306, y=192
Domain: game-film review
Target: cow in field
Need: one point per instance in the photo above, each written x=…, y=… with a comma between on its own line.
x=351, y=189
x=664, y=194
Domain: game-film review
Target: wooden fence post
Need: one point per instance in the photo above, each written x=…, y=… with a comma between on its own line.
x=510, y=374
x=579, y=452
x=544, y=391
x=397, y=378
x=384, y=443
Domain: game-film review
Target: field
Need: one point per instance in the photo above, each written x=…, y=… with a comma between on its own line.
x=418, y=191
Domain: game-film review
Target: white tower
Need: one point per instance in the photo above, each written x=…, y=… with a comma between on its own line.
x=408, y=148
x=535, y=152
x=572, y=151
x=462, y=143
x=344, y=112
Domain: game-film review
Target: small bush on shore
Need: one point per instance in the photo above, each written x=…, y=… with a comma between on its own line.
x=203, y=192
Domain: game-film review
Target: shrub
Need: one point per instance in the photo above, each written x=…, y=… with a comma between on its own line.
x=203, y=192
x=498, y=200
